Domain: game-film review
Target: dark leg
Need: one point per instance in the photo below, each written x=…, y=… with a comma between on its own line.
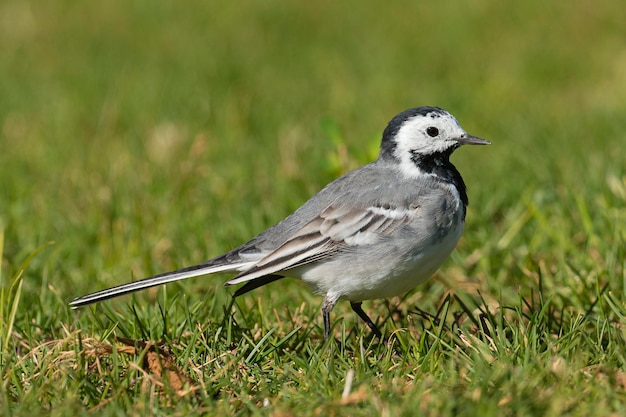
x=327, y=306
x=356, y=307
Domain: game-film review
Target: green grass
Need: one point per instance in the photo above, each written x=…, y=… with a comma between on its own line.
x=138, y=137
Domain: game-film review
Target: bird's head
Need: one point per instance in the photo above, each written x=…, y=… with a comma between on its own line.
x=423, y=133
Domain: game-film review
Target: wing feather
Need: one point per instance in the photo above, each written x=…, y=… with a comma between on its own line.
x=335, y=229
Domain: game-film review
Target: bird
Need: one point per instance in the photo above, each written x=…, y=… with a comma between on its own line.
x=375, y=232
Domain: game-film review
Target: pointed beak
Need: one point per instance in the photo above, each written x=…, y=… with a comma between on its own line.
x=472, y=140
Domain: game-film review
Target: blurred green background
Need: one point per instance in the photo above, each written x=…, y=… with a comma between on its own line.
x=142, y=136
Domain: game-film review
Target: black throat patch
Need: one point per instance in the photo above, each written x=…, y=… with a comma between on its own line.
x=439, y=164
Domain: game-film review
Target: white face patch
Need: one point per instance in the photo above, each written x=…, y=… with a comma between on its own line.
x=425, y=135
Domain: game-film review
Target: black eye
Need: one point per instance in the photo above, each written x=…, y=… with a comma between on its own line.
x=432, y=131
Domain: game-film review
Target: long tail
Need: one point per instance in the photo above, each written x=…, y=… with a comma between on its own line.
x=184, y=273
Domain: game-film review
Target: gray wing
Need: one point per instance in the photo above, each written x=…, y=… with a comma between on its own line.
x=374, y=177
x=360, y=215
x=337, y=228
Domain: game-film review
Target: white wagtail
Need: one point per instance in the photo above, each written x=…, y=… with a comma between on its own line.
x=375, y=232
